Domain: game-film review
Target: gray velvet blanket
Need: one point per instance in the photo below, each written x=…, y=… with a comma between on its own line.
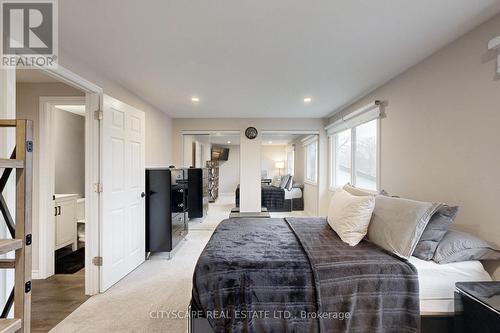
x=296, y=275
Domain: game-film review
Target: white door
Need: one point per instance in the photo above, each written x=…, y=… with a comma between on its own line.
x=123, y=162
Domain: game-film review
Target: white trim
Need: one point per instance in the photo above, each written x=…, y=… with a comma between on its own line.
x=46, y=187
x=300, y=132
x=309, y=139
x=306, y=142
x=79, y=111
x=494, y=43
x=206, y=132
x=93, y=202
x=362, y=115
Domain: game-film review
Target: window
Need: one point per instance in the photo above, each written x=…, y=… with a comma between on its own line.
x=341, y=153
x=354, y=155
x=290, y=161
x=312, y=161
x=366, y=156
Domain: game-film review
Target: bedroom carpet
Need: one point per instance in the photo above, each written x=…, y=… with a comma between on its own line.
x=138, y=302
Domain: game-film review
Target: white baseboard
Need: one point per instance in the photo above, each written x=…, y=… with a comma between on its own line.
x=35, y=274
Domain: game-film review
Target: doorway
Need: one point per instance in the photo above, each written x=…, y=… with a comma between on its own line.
x=290, y=162
x=61, y=159
x=219, y=152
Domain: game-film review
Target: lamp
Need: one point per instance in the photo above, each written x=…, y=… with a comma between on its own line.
x=279, y=165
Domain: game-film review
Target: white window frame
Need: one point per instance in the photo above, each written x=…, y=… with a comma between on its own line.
x=307, y=142
x=357, y=118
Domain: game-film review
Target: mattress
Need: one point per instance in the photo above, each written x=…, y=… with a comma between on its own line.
x=294, y=193
x=437, y=282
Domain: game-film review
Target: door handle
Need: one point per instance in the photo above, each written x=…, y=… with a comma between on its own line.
x=55, y=213
x=59, y=210
x=143, y=195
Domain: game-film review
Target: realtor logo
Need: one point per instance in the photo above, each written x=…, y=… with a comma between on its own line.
x=29, y=33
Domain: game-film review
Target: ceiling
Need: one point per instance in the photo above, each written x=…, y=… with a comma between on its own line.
x=250, y=58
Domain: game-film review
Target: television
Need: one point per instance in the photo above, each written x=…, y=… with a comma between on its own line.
x=219, y=154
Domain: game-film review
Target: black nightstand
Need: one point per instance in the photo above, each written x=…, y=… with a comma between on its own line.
x=477, y=307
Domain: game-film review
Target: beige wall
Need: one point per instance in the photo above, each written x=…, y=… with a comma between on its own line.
x=311, y=192
x=27, y=107
x=299, y=165
x=271, y=155
x=69, y=150
x=158, y=123
x=158, y=139
x=440, y=139
x=229, y=171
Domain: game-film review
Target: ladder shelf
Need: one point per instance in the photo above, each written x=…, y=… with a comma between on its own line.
x=21, y=161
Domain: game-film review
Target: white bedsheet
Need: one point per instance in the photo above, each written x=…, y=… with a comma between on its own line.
x=294, y=193
x=437, y=282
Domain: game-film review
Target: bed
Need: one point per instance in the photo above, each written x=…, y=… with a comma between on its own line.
x=276, y=199
x=296, y=275
x=437, y=283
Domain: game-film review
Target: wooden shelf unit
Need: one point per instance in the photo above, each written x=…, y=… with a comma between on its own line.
x=22, y=162
x=10, y=325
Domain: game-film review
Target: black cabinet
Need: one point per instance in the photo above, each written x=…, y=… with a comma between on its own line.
x=197, y=192
x=166, y=208
x=477, y=307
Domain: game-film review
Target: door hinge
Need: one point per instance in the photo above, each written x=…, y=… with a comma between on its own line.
x=29, y=146
x=98, y=188
x=97, y=261
x=98, y=115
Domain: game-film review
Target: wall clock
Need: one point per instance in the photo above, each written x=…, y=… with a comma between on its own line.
x=251, y=133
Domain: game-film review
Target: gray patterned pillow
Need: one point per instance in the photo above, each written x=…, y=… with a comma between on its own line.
x=460, y=246
x=434, y=232
x=284, y=181
x=289, y=185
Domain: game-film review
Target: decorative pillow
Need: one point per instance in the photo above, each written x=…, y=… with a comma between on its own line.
x=356, y=191
x=276, y=181
x=298, y=185
x=349, y=215
x=284, y=181
x=290, y=183
x=434, y=232
x=460, y=246
x=397, y=224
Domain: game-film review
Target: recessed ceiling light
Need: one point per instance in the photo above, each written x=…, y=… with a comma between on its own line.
x=307, y=99
x=270, y=142
x=195, y=99
x=228, y=142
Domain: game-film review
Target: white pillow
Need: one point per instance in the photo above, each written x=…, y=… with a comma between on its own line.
x=349, y=215
x=356, y=191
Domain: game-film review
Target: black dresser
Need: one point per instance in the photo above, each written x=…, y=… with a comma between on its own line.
x=166, y=208
x=477, y=307
x=197, y=192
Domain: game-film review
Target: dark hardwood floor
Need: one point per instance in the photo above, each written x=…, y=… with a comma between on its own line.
x=53, y=299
